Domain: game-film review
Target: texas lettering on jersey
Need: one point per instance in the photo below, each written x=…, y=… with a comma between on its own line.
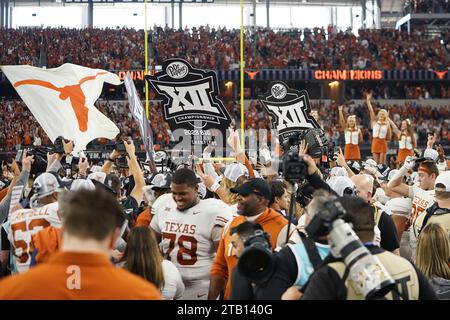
x=190, y=100
x=289, y=109
x=187, y=236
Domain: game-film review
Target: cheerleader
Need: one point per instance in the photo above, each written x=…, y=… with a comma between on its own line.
x=353, y=136
x=381, y=132
x=406, y=139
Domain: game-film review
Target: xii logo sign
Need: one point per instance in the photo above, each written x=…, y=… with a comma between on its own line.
x=289, y=108
x=190, y=98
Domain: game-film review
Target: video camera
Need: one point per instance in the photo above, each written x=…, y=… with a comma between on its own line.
x=40, y=158
x=256, y=262
x=366, y=274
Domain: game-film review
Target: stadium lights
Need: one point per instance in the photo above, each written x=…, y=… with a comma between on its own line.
x=334, y=84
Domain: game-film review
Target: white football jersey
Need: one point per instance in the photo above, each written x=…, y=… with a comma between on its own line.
x=421, y=201
x=22, y=224
x=186, y=236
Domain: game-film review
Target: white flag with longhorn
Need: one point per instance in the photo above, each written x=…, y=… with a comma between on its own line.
x=62, y=100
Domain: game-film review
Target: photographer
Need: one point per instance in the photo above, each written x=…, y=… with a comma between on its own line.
x=333, y=280
x=254, y=197
x=292, y=265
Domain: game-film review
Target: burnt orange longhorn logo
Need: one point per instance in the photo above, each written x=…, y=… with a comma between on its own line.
x=440, y=74
x=251, y=74
x=73, y=92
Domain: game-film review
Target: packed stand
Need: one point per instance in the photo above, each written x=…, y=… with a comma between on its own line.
x=426, y=6
x=218, y=49
x=18, y=126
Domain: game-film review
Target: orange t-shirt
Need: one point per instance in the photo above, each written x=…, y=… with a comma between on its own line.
x=47, y=242
x=78, y=276
x=144, y=219
x=271, y=221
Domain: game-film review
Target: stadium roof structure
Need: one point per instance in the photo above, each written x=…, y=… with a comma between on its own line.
x=275, y=2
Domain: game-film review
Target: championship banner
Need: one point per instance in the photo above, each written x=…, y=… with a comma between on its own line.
x=191, y=103
x=138, y=113
x=62, y=100
x=290, y=110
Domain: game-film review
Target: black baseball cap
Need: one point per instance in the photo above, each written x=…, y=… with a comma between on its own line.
x=258, y=186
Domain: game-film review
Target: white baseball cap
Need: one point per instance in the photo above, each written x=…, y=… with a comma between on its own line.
x=431, y=153
x=370, y=163
x=338, y=172
x=46, y=184
x=342, y=185
x=442, y=182
x=82, y=184
x=161, y=181
x=234, y=170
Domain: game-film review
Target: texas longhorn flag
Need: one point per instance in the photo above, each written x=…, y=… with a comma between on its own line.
x=62, y=100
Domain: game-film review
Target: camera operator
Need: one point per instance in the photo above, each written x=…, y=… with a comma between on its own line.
x=292, y=265
x=333, y=280
x=254, y=197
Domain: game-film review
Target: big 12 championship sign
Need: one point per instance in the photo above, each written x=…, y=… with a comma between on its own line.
x=190, y=101
x=289, y=109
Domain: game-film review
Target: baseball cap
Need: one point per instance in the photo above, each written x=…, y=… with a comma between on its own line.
x=82, y=184
x=398, y=205
x=258, y=186
x=442, y=182
x=102, y=179
x=354, y=166
x=342, y=186
x=431, y=153
x=234, y=170
x=338, y=172
x=370, y=163
x=160, y=181
x=46, y=184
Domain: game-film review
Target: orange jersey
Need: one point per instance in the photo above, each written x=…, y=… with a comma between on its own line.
x=144, y=219
x=47, y=242
x=79, y=276
x=271, y=221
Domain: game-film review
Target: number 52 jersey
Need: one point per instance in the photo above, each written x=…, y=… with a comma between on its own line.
x=187, y=237
x=22, y=224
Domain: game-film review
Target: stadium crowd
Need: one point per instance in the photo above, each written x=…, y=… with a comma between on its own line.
x=354, y=229
x=427, y=6
x=208, y=48
x=18, y=126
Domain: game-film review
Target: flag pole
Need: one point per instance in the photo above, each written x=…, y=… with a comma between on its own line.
x=146, y=57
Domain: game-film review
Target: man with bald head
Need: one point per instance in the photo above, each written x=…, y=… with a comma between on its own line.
x=386, y=227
